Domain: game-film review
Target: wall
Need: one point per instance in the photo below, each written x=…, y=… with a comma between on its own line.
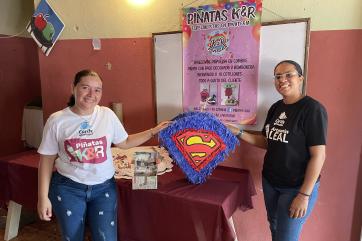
x=14, y=15
x=334, y=79
x=20, y=84
x=19, y=72
x=128, y=81
x=115, y=19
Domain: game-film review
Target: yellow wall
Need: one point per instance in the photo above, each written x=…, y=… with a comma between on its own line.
x=14, y=16
x=120, y=19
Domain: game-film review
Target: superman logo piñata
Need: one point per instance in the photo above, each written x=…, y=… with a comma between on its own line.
x=197, y=142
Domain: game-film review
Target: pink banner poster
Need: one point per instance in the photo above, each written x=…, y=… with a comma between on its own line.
x=221, y=58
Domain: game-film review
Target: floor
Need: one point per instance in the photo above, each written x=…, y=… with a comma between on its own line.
x=32, y=229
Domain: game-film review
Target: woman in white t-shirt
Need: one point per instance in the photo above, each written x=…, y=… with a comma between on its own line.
x=77, y=142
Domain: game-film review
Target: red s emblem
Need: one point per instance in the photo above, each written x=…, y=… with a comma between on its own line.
x=198, y=147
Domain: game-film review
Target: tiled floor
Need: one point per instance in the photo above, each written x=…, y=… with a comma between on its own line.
x=35, y=231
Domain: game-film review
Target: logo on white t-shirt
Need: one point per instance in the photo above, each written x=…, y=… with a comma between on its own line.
x=86, y=150
x=85, y=129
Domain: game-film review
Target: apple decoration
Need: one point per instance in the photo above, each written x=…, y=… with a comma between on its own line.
x=40, y=22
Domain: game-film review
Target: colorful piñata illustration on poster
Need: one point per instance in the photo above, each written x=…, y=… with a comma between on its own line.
x=45, y=27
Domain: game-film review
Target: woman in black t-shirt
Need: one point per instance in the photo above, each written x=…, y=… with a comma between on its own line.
x=294, y=135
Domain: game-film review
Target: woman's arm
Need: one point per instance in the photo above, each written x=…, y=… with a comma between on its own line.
x=254, y=139
x=300, y=203
x=315, y=164
x=141, y=137
x=45, y=171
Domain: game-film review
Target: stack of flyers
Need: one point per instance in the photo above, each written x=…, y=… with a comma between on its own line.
x=145, y=170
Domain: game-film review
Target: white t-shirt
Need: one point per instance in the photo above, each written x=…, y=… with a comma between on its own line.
x=83, y=143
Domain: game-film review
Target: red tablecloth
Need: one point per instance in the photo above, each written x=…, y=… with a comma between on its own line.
x=4, y=185
x=180, y=211
x=17, y=180
x=176, y=211
x=23, y=179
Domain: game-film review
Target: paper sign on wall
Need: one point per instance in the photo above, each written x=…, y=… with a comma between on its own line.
x=221, y=58
x=45, y=27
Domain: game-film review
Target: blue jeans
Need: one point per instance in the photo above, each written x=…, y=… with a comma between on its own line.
x=277, y=203
x=74, y=204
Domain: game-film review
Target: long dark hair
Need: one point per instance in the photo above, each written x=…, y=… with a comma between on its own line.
x=78, y=76
x=288, y=61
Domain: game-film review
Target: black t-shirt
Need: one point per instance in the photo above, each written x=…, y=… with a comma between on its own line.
x=290, y=130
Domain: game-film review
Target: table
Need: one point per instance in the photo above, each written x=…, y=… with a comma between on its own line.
x=176, y=211
x=4, y=187
x=18, y=186
x=180, y=211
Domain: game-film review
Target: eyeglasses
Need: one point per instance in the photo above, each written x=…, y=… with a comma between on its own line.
x=288, y=76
